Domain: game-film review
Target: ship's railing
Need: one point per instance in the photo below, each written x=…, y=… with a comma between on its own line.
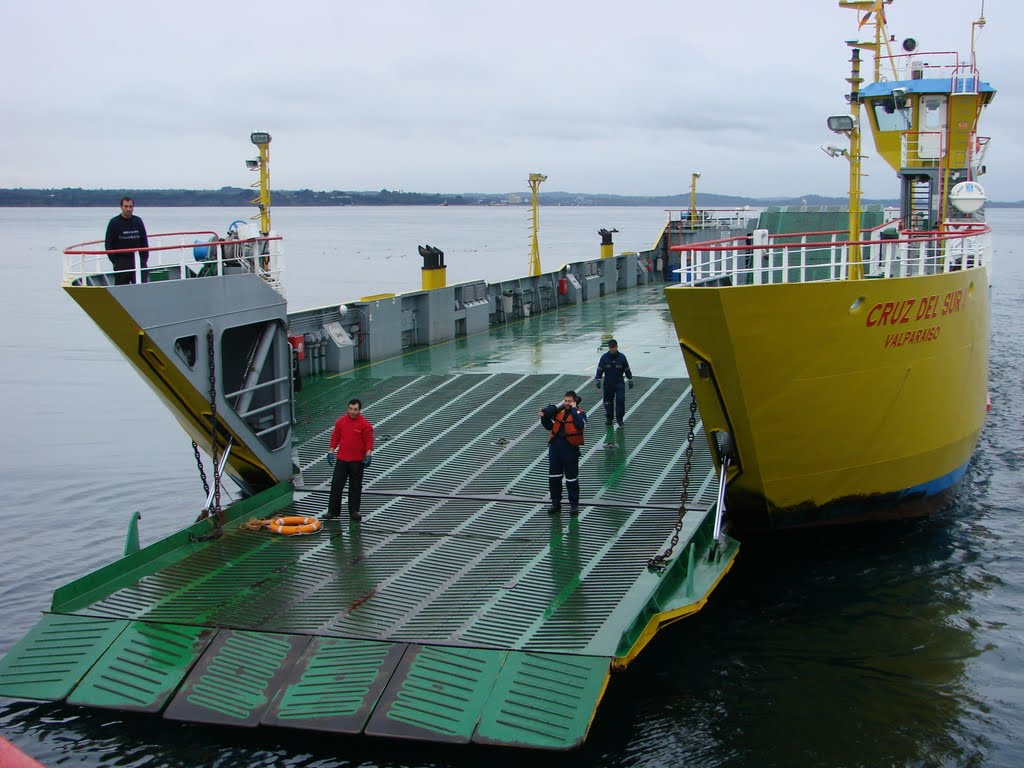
x=178, y=256
x=805, y=257
x=922, y=149
x=927, y=149
x=925, y=65
x=711, y=218
x=965, y=79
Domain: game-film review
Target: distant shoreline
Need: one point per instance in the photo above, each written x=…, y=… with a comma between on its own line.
x=228, y=197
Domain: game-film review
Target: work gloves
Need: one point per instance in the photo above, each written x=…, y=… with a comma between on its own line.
x=366, y=461
x=630, y=383
x=330, y=459
x=598, y=383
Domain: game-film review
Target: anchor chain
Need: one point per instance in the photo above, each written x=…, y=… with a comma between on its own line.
x=214, y=510
x=660, y=562
x=202, y=469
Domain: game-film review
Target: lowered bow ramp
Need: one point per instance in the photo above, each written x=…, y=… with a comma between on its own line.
x=182, y=338
x=458, y=611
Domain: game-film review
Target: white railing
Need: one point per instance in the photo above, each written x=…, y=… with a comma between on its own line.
x=713, y=218
x=820, y=256
x=922, y=148
x=925, y=65
x=177, y=256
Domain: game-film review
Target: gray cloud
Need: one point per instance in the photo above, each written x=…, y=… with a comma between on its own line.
x=458, y=96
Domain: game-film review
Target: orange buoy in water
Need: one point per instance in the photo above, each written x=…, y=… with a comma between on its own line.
x=295, y=526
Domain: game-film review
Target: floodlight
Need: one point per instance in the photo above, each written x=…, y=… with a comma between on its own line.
x=840, y=123
x=260, y=137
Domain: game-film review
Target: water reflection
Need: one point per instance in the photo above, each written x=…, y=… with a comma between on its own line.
x=829, y=648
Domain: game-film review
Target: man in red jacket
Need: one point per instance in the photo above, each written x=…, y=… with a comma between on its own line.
x=350, y=450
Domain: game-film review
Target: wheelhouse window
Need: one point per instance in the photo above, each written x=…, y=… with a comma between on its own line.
x=894, y=114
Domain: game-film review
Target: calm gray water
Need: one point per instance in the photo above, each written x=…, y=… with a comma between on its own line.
x=893, y=646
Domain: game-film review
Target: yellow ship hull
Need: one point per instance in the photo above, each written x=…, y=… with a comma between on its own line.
x=844, y=400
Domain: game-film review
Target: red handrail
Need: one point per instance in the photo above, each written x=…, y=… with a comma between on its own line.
x=71, y=250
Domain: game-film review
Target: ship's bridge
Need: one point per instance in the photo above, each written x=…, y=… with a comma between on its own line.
x=927, y=115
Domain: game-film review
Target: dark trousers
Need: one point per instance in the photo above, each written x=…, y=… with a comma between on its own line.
x=343, y=471
x=563, y=460
x=615, y=394
x=124, y=268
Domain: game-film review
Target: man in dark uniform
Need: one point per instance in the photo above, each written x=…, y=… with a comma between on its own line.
x=614, y=368
x=566, y=423
x=124, y=231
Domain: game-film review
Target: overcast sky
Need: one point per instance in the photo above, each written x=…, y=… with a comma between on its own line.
x=458, y=96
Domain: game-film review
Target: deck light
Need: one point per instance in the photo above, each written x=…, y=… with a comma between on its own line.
x=840, y=123
x=260, y=137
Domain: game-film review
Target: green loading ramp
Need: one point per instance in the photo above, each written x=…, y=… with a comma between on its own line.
x=457, y=611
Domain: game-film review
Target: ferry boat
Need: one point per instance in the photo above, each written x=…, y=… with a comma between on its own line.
x=458, y=610
x=842, y=375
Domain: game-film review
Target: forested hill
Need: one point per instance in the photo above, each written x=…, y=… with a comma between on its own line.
x=238, y=196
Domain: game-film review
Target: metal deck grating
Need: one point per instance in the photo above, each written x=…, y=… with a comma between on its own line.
x=458, y=610
x=457, y=547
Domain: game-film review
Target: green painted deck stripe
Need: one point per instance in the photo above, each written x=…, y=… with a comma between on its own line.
x=155, y=557
x=335, y=685
x=437, y=694
x=236, y=678
x=143, y=667
x=543, y=700
x=48, y=662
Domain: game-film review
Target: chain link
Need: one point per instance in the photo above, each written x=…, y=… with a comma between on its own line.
x=660, y=562
x=202, y=469
x=214, y=510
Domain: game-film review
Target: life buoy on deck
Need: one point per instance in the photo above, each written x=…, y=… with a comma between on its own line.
x=295, y=526
x=286, y=526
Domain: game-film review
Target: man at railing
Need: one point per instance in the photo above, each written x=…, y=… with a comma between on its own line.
x=126, y=231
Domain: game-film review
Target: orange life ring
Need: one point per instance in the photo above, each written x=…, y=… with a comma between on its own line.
x=295, y=526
